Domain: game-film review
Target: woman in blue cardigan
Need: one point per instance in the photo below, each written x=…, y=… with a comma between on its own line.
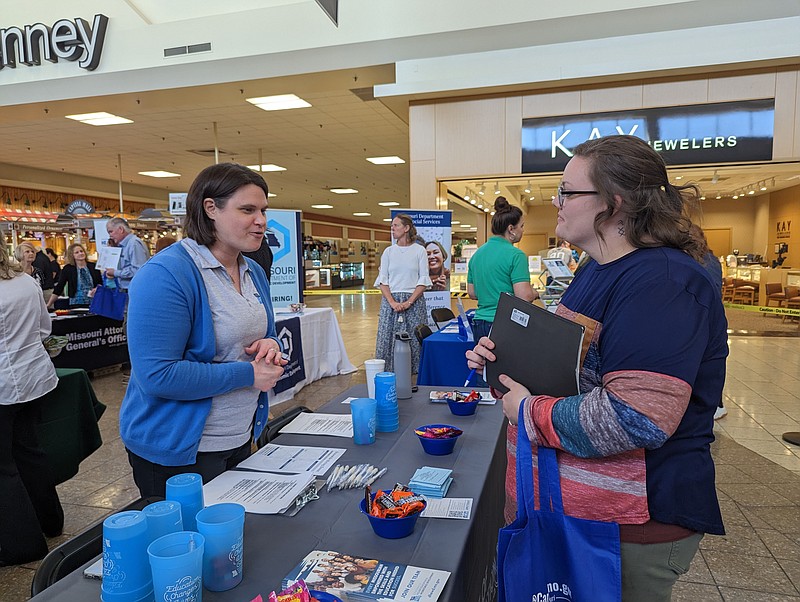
x=201, y=335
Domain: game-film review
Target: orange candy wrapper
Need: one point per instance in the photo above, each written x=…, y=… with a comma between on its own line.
x=297, y=592
x=396, y=504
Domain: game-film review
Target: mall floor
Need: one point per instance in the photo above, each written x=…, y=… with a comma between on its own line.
x=758, y=475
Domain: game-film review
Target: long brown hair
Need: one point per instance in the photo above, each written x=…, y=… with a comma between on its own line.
x=655, y=212
x=69, y=256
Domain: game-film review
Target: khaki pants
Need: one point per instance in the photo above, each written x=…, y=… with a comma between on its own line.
x=650, y=570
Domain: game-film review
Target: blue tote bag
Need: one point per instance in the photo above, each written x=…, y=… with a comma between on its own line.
x=547, y=555
x=109, y=302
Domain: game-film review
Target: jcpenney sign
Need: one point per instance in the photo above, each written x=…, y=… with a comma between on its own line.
x=68, y=40
x=713, y=133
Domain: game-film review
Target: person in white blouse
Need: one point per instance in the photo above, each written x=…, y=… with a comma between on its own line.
x=402, y=279
x=29, y=504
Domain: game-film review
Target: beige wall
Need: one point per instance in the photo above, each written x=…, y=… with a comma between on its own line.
x=785, y=210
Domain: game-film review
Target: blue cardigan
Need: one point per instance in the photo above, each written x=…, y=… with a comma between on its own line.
x=172, y=347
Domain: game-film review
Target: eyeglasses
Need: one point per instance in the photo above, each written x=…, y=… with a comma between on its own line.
x=562, y=195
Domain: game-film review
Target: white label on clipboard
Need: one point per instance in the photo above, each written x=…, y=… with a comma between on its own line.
x=520, y=317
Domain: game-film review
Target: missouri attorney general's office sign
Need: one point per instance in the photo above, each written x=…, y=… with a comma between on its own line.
x=712, y=133
x=76, y=40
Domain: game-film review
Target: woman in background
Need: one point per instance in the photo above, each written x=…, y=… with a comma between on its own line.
x=80, y=275
x=201, y=335
x=633, y=446
x=402, y=279
x=25, y=253
x=55, y=268
x=439, y=275
x=29, y=504
x=499, y=267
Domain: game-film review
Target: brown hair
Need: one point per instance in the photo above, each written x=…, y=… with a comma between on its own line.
x=505, y=215
x=163, y=242
x=407, y=221
x=69, y=256
x=656, y=213
x=8, y=269
x=218, y=182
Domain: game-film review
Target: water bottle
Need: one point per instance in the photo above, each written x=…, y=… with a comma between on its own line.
x=402, y=364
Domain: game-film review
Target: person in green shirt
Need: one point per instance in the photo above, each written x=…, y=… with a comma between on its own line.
x=499, y=267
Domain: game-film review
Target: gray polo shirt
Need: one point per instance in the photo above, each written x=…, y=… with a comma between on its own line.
x=239, y=319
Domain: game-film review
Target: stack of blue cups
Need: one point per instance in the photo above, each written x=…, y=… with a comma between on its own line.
x=387, y=413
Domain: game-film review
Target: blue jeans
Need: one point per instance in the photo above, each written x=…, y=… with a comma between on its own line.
x=481, y=328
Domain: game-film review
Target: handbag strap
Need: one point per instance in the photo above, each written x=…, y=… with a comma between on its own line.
x=549, y=485
x=116, y=281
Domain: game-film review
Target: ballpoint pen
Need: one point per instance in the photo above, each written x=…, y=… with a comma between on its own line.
x=469, y=377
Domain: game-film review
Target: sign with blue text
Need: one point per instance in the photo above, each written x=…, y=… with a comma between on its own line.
x=290, y=335
x=283, y=236
x=723, y=132
x=434, y=232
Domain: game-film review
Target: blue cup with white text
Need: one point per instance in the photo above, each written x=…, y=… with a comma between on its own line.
x=387, y=412
x=223, y=527
x=163, y=518
x=187, y=488
x=176, y=561
x=363, y=412
x=126, y=570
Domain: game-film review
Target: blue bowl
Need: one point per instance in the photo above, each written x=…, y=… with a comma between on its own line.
x=437, y=447
x=463, y=408
x=390, y=528
x=324, y=596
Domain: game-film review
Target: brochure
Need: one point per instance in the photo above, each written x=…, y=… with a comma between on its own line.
x=355, y=579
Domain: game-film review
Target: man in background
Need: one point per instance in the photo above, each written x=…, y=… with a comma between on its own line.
x=42, y=262
x=134, y=252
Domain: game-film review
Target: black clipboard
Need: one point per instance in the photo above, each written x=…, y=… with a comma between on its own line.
x=534, y=347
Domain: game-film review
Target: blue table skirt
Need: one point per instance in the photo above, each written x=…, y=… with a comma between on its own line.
x=443, y=361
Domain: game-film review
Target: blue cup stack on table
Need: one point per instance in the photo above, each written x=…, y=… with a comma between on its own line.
x=222, y=525
x=364, y=413
x=177, y=566
x=163, y=518
x=126, y=571
x=187, y=488
x=387, y=412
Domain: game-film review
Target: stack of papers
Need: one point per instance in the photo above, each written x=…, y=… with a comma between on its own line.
x=431, y=482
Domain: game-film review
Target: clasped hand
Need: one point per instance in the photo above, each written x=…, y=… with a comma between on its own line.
x=267, y=364
x=477, y=358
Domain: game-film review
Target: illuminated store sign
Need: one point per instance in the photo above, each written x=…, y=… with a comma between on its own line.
x=68, y=40
x=713, y=133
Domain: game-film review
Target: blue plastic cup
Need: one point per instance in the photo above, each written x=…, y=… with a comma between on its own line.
x=163, y=518
x=223, y=527
x=187, y=488
x=176, y=561
x=126, y=571
x=387, y=413
x=363, y=411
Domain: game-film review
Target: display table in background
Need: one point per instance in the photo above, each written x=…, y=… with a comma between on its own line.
x=94, y=342
x=274, y=544
x=323, y=350
x=68, y=430
x=443, y=362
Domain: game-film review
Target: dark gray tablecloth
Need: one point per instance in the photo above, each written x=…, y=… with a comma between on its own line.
x=275, y=544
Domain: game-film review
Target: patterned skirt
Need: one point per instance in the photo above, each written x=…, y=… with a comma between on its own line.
x=391, y=322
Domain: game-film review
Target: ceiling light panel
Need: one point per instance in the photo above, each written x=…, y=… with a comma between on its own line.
x=280, y=102
x=362, y=214
x=322, y=206
x=99, y=118
x=159, y=174
x=343, y=190
x=267, y=167
x=389, y=204
x=385, y=160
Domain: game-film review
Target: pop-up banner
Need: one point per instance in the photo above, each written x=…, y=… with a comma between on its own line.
x=284, y=237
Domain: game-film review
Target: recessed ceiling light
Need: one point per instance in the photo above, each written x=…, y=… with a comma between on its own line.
x=343, y=190
x=387, y=219
x=679, y=177
x=267, y=167
x=455, y=223
x=280, y=102
x=99, y=118
x=389, y=204
x=466, y=226
x=362, y=214
x=271, y=194
x=159, y=174
x=322, y=206
x=385, y=160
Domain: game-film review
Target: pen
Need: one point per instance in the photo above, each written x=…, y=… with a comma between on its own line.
x=469, y=377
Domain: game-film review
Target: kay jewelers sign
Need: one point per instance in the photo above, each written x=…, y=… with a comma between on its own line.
x=75, y=40
x=723, y=132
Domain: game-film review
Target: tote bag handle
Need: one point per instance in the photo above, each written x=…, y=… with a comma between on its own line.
x=547, y=466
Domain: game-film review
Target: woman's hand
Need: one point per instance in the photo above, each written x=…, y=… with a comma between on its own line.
x=265, y=349
x=482, y=353
x=512, y=399
x=266, y=374
x=439, y=282
x=401, y=306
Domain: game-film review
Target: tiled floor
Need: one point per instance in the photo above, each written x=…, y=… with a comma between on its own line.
x=758, y=475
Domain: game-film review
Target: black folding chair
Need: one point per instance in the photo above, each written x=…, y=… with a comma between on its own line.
x=441, y=315
x=75, y=552
x=422, y=331
x=274, y=426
